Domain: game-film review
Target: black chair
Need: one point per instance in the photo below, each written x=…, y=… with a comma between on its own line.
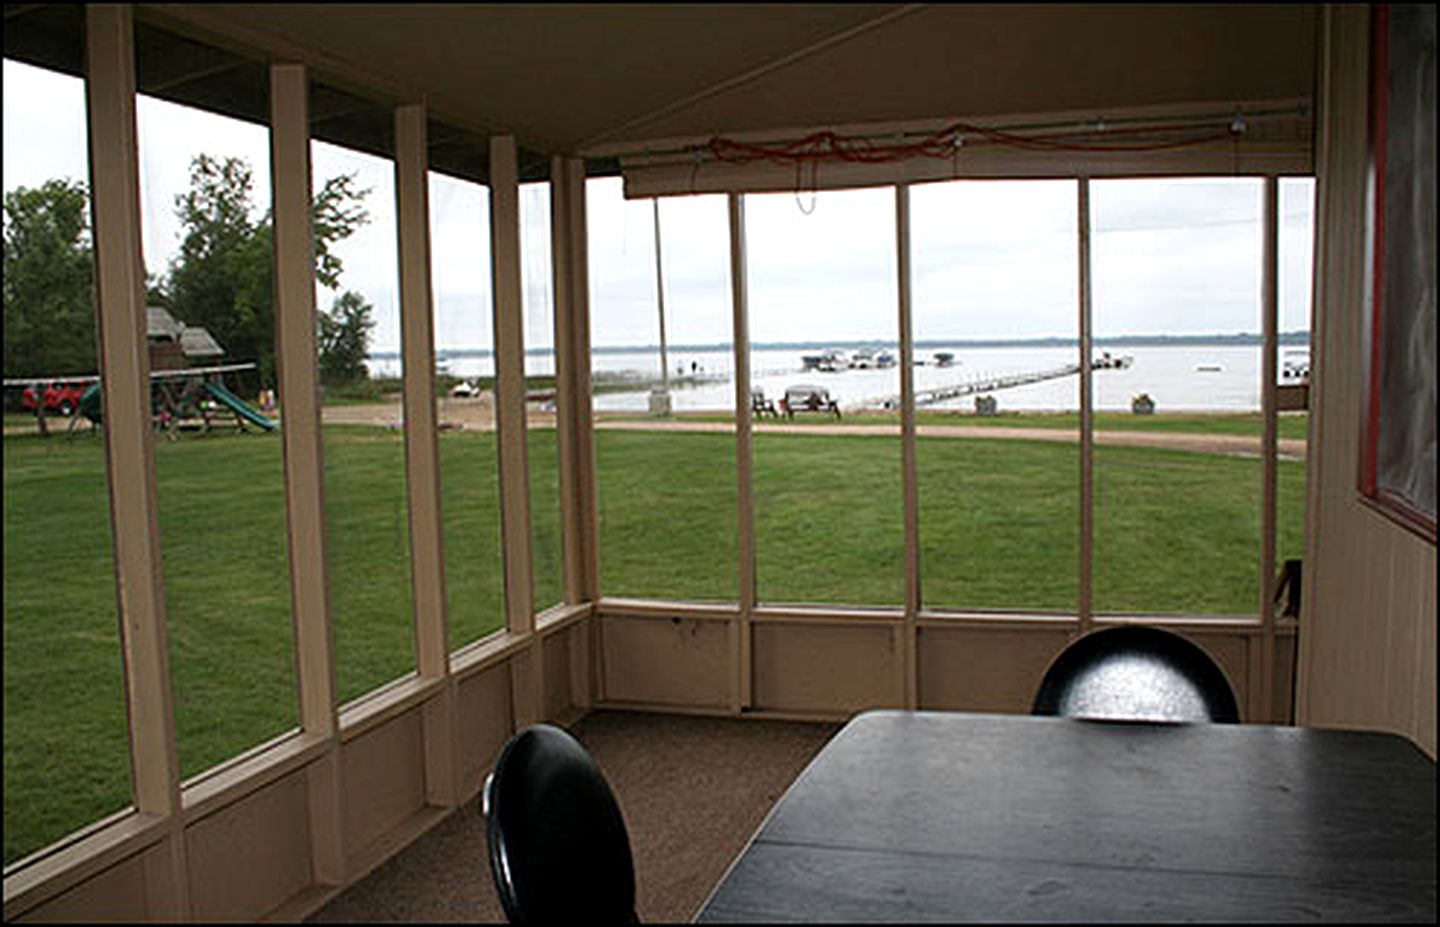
x=559, y=850
x=1137, y=674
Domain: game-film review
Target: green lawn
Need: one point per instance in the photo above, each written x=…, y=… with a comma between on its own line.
x=1289, y=425
x=1174, y=531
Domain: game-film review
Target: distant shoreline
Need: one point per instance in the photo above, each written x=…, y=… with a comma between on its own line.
x=1239, y=338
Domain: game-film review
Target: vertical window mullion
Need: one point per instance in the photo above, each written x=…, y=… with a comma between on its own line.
x=298, y=376
x=422, y=452
x=130, y=458
x=125, y=378
x=581, y=419
x=1269, y=309
x=510, y=424
x=1087, y=413
x=562, y=277
x=744, y=450
x=909, y=475
x=510, y=383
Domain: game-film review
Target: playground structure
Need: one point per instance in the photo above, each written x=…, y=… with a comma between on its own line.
x=192, y=398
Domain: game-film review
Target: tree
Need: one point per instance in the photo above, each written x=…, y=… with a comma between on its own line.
x=49, y=281
x=223, y=277
x=345, y=339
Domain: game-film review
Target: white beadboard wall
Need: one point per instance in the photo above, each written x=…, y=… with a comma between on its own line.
x=1367, y=638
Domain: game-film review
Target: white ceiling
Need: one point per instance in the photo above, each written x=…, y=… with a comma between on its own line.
x=569, y=78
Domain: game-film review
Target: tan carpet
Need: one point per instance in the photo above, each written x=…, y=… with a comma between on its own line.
x=692, y=790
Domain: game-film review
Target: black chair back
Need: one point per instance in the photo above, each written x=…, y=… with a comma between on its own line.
x=1137, y=674
x=559, y=850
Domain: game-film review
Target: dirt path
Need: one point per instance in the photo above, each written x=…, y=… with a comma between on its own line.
x=478, y=414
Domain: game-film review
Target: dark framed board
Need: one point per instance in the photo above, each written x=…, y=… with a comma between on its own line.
x=1399, y=462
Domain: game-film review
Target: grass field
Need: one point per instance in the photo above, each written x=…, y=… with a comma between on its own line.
x=1175, y=531
x=1288, y=425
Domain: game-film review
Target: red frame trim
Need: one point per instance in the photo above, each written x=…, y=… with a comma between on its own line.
x=1388, y=503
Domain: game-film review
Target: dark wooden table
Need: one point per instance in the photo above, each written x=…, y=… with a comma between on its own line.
x=927, y=816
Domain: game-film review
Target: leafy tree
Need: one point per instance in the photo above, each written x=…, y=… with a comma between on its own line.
x=49, y=281
x=216, y=254
x=345, y=339
x=223, y=277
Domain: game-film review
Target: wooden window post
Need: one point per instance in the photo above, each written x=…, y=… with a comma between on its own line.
x=129, y=451
x=297, y=371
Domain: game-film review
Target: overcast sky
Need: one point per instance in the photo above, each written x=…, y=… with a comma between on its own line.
x=991, y=259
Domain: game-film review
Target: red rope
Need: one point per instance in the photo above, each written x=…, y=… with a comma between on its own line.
x=827, y=146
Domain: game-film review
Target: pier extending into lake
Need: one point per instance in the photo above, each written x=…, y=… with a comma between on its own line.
x=990, y=382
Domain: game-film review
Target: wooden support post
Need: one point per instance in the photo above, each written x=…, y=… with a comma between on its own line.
x=568, y=388
x=1087, y=416
x=422, y=452
x=908, y=462
x=296, y=367
x=1269, y=323
x=130, y=455
x=510, y=424
x=744, y=457
x=577, y=449
x=561, y=283
x=573, y=413
x=567, y=183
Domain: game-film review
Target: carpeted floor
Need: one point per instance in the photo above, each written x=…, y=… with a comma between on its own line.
x=692, y=791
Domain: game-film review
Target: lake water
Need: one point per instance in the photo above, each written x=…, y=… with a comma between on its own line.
x=1178, y=378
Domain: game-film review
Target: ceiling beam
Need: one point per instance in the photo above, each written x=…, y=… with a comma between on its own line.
x=198, y=21
x=754, y=74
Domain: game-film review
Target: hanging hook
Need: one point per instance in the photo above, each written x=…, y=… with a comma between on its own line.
x=814, y=185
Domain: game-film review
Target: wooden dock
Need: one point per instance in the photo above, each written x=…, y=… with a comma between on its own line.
x=979, y=383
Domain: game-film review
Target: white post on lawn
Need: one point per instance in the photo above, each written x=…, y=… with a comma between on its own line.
x=660, y=397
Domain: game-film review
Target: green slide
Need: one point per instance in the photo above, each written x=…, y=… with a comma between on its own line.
x=239, y=406
x=90, y=403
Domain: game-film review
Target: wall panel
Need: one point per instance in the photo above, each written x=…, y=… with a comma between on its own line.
x=1367, y=626
x=666, y=661
x=115, y=894
x=1232, y=653
x=383, y=776
x=485, y=723
x=984, y=669
x=826, y=668
x=559, y=700
x=250, y=857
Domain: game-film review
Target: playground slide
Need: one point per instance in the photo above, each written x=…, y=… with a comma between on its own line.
x=239, y=406
x=90, y=403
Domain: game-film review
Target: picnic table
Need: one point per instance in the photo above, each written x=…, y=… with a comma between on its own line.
x=806, y=398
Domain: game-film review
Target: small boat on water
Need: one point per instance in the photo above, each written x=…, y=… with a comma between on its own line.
x=884, y=359
x=862, y=359
x=1295, y=365
x=1209, y=368
x=830, y=360
x=943, y=358
x=1108, y=361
